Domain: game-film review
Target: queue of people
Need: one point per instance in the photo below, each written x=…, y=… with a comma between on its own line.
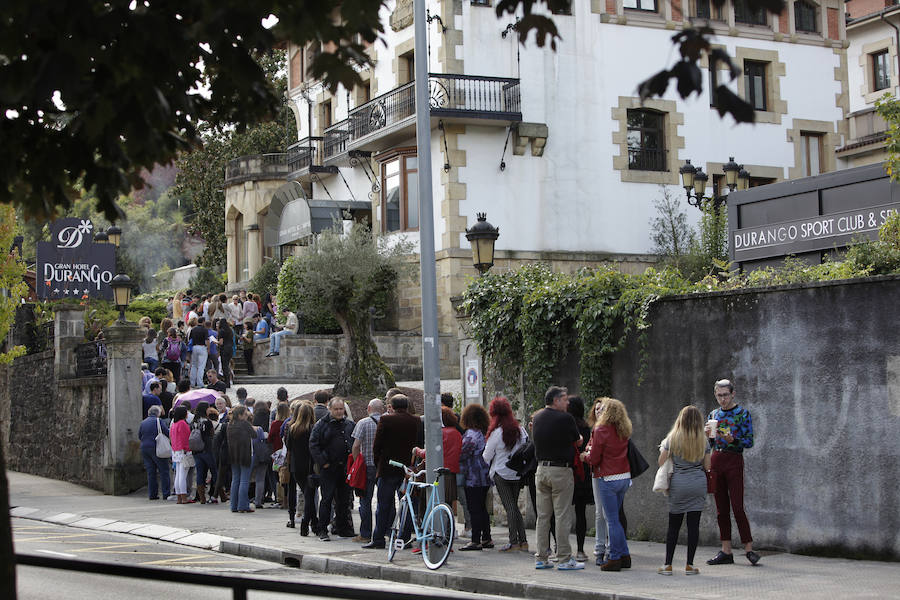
x=306, y=449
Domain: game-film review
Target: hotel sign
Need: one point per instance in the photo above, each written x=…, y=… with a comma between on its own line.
x=821, y=232
x=71, y=265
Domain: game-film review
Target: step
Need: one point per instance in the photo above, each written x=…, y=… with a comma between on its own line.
x=253, y=379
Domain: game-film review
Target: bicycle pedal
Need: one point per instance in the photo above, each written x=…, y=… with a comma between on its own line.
x=398, y=544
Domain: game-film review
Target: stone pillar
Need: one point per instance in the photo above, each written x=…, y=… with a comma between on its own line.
x=69, y=332
x=231, y=258
x=254, y=250
x=122, y=465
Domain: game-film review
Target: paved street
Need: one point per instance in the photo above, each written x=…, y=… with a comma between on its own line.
x=263, y=535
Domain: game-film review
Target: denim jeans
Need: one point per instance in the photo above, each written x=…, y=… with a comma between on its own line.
x=240, y=487
x=385, y=512
x=198, y=363
x=154, y=466
x=365, y=504
x=612, y=494
x=206, y=463
x=259, y=476
x=601, y=543
x=275, y=340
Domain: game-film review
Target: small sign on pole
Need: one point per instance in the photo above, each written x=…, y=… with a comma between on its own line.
x=473, y=379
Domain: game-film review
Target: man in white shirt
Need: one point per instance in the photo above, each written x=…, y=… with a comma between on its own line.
x=291, y=326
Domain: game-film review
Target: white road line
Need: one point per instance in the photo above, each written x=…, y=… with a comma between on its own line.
x=63, y=554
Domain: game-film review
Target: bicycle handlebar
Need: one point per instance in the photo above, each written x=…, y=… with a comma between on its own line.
x=406, y=469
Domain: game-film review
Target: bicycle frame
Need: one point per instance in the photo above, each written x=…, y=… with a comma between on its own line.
x=433, y=500
x=435, y=536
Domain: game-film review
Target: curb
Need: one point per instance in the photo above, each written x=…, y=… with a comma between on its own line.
x=318, y=563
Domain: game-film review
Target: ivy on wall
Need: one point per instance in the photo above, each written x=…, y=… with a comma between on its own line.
x=525, y=322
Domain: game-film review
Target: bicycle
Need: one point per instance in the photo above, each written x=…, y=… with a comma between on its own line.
x=438, y=529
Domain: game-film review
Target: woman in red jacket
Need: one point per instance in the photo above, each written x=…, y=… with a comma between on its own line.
x=607, y=455
x=181, y=452
x=452, y=441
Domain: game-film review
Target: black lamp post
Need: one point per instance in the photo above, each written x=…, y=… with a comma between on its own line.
x=694, y=179
x=121, y=285
x=482, y=236
x=101, y=237
x=115, y=235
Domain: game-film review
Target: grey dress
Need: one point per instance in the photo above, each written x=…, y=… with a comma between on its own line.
x=687, y=490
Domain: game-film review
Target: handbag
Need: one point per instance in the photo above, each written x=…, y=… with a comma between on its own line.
x=356, y=472
x=712, y=478
x=522, y=461
x=636, y=462
x=188, y=461
x=663, y=477
x=163, y=445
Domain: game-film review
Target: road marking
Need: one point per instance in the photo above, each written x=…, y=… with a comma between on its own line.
x=63, y=554
x=54, y=537
x=192, y=559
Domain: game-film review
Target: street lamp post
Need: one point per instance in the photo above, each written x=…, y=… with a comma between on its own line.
x=694, y=180
x=121, y=285
x=482, y=236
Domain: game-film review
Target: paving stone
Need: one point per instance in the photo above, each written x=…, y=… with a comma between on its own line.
x=92, y=522
x=202, y=540
x=64, y=518
x=22, y=511
x=176, y=535
x=156, y=531
x=122, y=526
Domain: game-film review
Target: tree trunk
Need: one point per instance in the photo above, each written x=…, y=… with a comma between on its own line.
x=7, y=555
x=361, y=371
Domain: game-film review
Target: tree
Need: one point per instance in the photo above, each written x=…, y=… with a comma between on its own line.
x=200, y=171
x=669, y=230
x=346, y=275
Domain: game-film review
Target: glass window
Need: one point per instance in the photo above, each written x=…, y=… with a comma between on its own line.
x=881, y=70
x=811, y=153
x=755, y=84
x=805, y=17
x=400, y=193
x=646, y=143
x=706, y=9
x=743, y=13
x=648, y=5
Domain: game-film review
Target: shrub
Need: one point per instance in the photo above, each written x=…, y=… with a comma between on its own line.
x=154, y=309
x=206, y=281
x=266, y=279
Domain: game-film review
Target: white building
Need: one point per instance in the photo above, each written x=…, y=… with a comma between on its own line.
x=584, y=160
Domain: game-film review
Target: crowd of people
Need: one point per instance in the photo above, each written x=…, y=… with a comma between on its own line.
x=567, y=456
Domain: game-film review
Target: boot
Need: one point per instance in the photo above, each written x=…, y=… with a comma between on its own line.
x=290, y=522
x=201, y=495
x=612, y=565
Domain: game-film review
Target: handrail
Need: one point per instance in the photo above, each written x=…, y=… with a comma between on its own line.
x=239, y=585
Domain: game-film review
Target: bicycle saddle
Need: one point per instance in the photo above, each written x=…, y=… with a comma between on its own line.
x=442, y=471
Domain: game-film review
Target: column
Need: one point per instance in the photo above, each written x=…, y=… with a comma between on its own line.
x=254, y=250
x=123, y=467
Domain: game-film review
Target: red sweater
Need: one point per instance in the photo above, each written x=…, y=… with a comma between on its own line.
x=452, y=441
x=607, y=452
x=275, y=435
x=179, y=434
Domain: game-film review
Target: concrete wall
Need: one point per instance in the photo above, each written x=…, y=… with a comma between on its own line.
x=314, y=358
x=55, y=430
x=819, y=368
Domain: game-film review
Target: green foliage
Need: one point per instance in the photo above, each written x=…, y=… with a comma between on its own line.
x=315, y=317
x=154, y=309
x=12, y=271
x=881, y=257
x=672, y=236
x=266, y=279
x=205, y=281
x=889, y=108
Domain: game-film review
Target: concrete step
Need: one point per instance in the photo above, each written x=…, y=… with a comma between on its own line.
x=253, y=379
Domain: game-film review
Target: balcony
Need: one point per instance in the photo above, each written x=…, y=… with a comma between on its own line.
x=257, y=166
x=304, y=158
x=390, y=117
x=868, y=135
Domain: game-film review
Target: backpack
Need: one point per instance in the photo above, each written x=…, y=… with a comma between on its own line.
x=195, y=441
x=172, y=351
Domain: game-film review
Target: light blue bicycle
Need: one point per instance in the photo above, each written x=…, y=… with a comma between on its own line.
x=438, y=527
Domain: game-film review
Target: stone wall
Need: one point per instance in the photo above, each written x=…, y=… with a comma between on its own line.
x=58, y=430
x=818, y=365
x=314, y=358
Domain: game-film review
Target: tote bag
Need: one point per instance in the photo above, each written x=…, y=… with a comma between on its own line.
x=163, y=445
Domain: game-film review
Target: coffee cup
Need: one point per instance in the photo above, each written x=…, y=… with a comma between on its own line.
x=711, y=427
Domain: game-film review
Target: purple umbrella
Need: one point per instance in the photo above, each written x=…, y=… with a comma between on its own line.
x=197, y=396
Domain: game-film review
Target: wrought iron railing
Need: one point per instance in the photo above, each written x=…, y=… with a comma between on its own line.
x=238, y=584
x=90, y=359
x=450, y=95
x=647, y=159
x=305, y=153
x=248, y=167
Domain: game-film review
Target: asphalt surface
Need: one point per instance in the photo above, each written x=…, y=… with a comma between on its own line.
x=263, y=535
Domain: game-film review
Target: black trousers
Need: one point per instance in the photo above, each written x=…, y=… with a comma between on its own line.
x=334, y=489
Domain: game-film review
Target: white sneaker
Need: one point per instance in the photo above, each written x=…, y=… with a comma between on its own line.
x=570, y=565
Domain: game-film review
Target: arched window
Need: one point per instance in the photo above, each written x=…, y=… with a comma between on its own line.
x=805, y=17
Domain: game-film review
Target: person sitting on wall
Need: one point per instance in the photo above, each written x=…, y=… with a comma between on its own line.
x=261, y=329
x=291, y=327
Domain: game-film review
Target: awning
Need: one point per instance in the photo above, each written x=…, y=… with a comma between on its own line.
x=293, y=217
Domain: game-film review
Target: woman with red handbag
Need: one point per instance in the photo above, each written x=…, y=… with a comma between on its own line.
x=686, y=445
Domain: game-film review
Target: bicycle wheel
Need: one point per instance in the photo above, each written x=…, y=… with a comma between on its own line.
x=439, y=532
x=396, y=541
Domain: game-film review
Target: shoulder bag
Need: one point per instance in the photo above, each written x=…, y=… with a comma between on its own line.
x=636, y=462
x=663, y=477
x=163, y=445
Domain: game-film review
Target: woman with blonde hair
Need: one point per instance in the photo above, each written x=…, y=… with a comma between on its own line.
x=607, y=454
x=296, y=438
x=687, y=447
x=177, y=308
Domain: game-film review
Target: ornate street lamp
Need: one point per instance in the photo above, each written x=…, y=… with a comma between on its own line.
x=731, y=170
x=687, y=176
x=743, y=179
x=693, y=178
x=482, y=236
x=115, y=235
x=101, y=238
x=121, y=285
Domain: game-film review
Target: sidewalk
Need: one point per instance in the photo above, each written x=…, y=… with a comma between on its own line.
x=263, y=535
